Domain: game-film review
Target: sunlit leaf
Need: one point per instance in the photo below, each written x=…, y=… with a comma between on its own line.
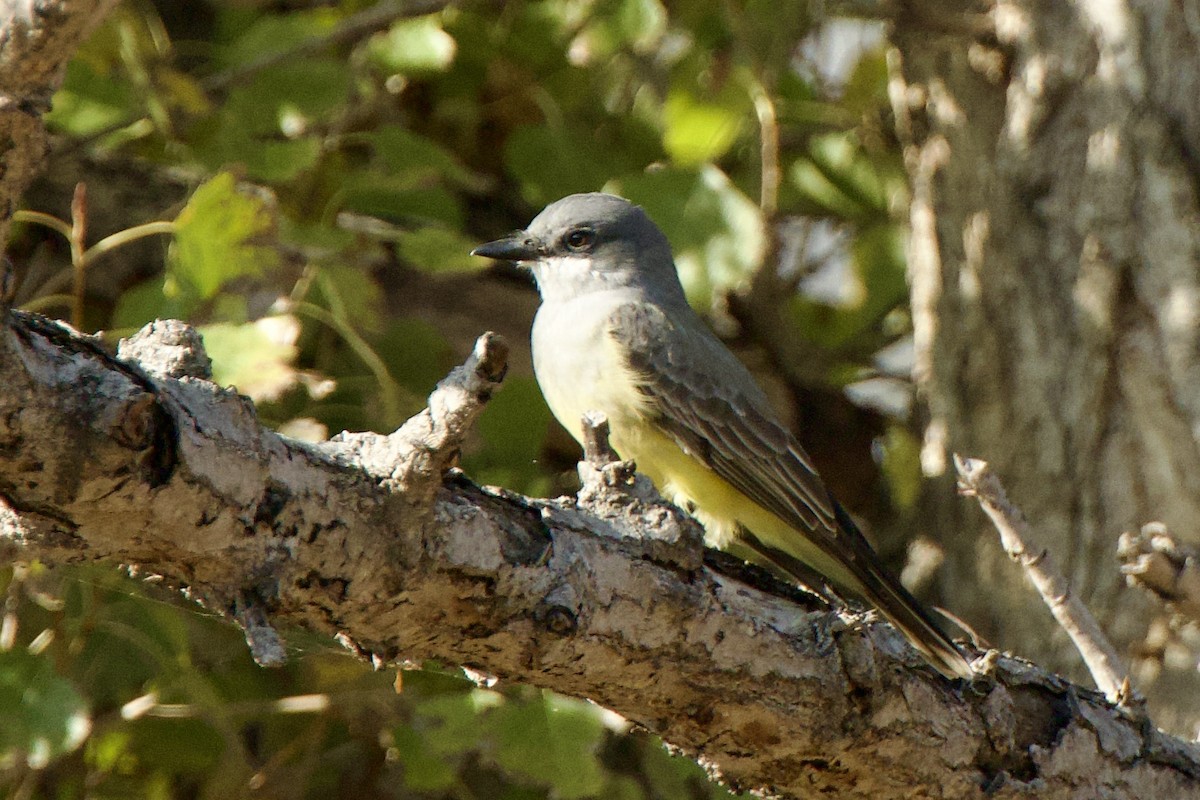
x=697, y=130
x=256, y=357
x=413, y=46
x=216, y=237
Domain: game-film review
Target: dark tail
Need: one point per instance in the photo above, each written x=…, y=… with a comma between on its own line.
x=884, y=591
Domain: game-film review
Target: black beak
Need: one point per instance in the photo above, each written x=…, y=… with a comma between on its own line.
x=519, y=246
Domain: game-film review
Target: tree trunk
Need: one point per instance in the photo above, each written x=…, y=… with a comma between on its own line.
x=1055, y=269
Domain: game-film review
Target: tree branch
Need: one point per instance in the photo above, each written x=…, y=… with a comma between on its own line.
x=140, y=459
x=37, y=38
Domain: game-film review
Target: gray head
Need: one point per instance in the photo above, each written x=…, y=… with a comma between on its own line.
x=591, y=243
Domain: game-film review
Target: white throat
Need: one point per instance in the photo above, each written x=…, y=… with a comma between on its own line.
x=562, y=278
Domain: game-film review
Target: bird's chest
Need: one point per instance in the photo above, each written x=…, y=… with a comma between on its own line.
x=579, y=366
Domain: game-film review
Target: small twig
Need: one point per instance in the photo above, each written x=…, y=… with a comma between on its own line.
x=79, y=211
x=975, y=479
x=601, y=466
x=1155, y=561
x=12, y=603
x=612, y=489
x=768, y=124
x=123, y=237
x=63, y=278
x=46, y=220
x=428, y=443
x=596, y=448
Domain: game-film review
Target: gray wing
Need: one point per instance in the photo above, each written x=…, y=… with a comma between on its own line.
x=708, y=403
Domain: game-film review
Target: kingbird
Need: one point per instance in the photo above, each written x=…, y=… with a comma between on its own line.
x=614, y=333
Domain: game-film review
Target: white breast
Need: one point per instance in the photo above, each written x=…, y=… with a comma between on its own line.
x=577, y=364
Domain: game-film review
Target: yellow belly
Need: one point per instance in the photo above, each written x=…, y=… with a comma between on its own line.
x=719, y=507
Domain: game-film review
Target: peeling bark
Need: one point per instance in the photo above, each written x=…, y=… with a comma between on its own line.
x=376, y=541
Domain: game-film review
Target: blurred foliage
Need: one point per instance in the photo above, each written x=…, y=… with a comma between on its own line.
x=336, y=154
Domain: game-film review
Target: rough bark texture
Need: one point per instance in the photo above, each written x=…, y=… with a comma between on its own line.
x=1055, y=261
x=37, y=38
x=369, y=538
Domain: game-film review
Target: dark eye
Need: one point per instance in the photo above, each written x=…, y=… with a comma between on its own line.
x=579, y=239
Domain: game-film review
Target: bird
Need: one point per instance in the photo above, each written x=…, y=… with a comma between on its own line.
x=614, y=333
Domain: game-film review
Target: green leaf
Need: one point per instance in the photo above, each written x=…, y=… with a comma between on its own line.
x=275, y=33
x=143, y=303
x=866, y=87
x=717, y=233
x=901, y=465
x=424, y=770
x=407, y=153
x=696, y=130
x=216, y=235
x=43, y=715
x=550, y=163
x=90, y=101
x=449, y=724
x=176, y=745
x=438, y=249
x=553, y=742
x=392, y=198
x=838, y=177
x=417, y=355
x=413, y=46
x=283, y=99
x=819, y=194
x=877, y=257
x=352, y=293
x=279, y=161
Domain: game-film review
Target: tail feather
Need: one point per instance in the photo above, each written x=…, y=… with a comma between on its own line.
x=906, y=613
x=882, y=590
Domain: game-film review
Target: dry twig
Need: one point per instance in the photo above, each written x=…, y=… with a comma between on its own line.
x=975, y=479
x=1155, y=561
